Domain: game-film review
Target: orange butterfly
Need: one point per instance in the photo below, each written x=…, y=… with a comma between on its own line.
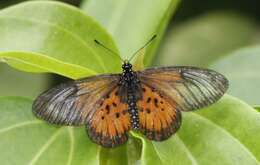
x=149, y=101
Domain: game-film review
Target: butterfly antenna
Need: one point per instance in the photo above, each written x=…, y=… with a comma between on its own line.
x=147, y=43
x=111, y=51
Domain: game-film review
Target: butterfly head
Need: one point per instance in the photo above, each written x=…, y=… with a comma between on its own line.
x=127, y=66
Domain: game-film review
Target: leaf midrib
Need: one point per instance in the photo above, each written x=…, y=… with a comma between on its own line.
x=45, y=146
x=72, y=144
x=21, y=124
x=48, y=142
x=187, y=151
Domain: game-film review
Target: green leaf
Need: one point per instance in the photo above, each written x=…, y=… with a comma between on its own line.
x=32, y=62
x=257, y=108
x=202, y=40
x=60, y=40
x=30, y=85
x=114, y=156
x=26, y=140
x=211, y=135
x=225, y=133
x=242, y=70
x=133, y=23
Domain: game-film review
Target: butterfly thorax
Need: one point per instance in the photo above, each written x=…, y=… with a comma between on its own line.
x=129, y=87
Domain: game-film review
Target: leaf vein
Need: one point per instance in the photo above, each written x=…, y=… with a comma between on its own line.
x=187, y=151
x=72, y=143
x=44, y=147
x=26, y=123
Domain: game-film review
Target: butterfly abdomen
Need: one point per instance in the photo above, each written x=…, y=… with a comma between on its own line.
x=132, y=109
x=130, y=87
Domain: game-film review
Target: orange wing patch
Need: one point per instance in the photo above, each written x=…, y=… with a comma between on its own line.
x=110, y=123
x=159, y=117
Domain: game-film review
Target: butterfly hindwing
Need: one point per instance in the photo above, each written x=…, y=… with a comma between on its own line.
x=159, y=117
x=75, y=102
x=109, y=125
x=190, y=88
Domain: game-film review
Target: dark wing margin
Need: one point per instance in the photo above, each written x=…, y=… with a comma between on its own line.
x=73, y=103
x=190, y=88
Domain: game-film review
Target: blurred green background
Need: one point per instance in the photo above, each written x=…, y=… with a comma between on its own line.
x=213, y=34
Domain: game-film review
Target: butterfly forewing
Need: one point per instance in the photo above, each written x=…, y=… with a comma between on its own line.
x=74, y=103
x=159, y=117
x=189, y=87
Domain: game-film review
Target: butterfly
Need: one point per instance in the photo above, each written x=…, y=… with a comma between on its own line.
x=149, y=101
